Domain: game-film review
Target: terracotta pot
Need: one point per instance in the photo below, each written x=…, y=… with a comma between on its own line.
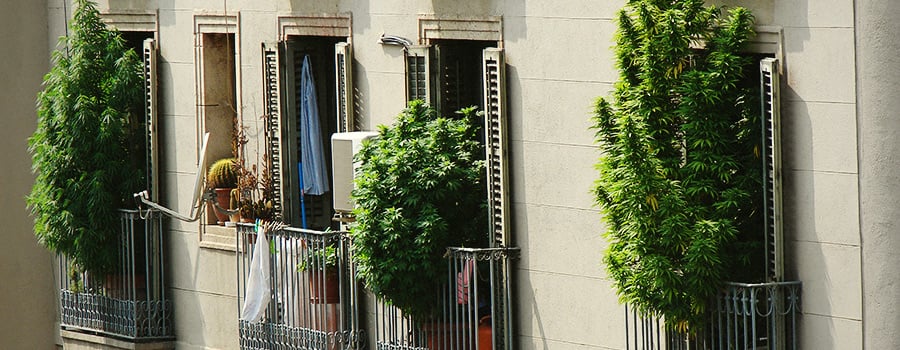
x=324, y=289
x=446, y=336
x=485, y=334
x=223, y=199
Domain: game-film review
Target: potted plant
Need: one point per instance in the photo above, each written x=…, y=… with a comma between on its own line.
x=222, y=177
x=321, y=265
x=419, y=189
x=680, y=161
x=86, y=149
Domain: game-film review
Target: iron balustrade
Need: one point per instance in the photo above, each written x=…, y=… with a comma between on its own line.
x=742, y=316
x=130, y=303
x=313, y=303
x=475, y=307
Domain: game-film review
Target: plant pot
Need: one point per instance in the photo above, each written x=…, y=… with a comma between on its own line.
x=324, y=289
x=223, y=199
x=236, y=217
x=485, y=334
x=446, y=336
x=441, y=335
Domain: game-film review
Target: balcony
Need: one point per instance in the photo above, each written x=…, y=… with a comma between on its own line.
x=476, y=307
x=313, y=301
x=743, y=316
x=131, y=304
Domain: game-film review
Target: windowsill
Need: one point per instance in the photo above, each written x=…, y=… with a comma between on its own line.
x=218, y=237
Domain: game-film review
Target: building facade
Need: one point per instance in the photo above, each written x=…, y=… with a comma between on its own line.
x=838, y=81
x=27, y=300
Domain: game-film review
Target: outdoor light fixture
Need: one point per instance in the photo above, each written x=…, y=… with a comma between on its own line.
x=394, y=40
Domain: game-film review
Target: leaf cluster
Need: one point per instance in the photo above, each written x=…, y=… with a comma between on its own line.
x=84, y=149
x=419, y=189
x=679, y=177
x=320, y=258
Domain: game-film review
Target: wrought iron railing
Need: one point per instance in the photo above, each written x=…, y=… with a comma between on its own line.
x=130, y=303
x=743, y=316
x=313, y=303
x=475, y=307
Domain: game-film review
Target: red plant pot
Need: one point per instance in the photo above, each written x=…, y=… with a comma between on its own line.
x=324, y=288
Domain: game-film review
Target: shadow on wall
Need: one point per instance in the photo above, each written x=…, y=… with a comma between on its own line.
x=319, y=6
x=132, y=4
x=465, y=8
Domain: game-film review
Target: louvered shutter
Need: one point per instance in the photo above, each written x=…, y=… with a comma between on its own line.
x=272, y=107
x=418, y=79
x=771, y=127
x=150, y=113
x=494, y=69
x=343, y=63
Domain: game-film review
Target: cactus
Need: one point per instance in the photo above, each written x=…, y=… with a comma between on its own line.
x=222, y=174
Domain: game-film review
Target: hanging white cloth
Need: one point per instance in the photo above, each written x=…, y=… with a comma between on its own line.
x=258, y=294
x=314, y=173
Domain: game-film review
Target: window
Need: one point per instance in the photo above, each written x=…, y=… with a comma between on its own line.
x=308, y=87
x=218, y=103
x=144, y=45
x=138, y=29
x=218, y=96
x=453, y=74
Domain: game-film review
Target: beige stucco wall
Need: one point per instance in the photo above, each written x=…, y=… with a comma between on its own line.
x=821, y=176
x=559, y=61
x=878, y=83
x=27, y=298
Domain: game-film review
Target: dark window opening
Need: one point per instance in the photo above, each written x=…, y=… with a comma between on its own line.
x=315, y=210
x=459, y=75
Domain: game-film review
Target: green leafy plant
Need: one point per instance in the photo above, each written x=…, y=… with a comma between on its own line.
x=223, y=174
x=419, y=190
x=680, y=166
x=321, y=258
x=85, y=151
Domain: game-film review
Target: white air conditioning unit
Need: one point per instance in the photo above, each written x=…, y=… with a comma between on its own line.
x=344, y=146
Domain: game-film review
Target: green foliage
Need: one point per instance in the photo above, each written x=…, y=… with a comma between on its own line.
x=322, y=258
x=680, y=169
x=83, y=149
x=222, y=174
x=420, y=189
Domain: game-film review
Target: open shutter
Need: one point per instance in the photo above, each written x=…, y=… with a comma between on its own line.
x=418, y=79
x=272, y=107
x=150, y=113
x=771, y=127
x=494, y=69
x=343, y=63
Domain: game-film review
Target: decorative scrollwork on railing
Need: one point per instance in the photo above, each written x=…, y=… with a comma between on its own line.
x=483, y=254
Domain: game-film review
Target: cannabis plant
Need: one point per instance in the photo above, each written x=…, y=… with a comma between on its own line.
x=419, y=189
x=678, y=170
x=81, y=150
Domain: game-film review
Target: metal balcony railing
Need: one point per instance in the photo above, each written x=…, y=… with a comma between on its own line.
x=743, y=316
x=313, y=303
x=475, y=307
x=130, y=303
